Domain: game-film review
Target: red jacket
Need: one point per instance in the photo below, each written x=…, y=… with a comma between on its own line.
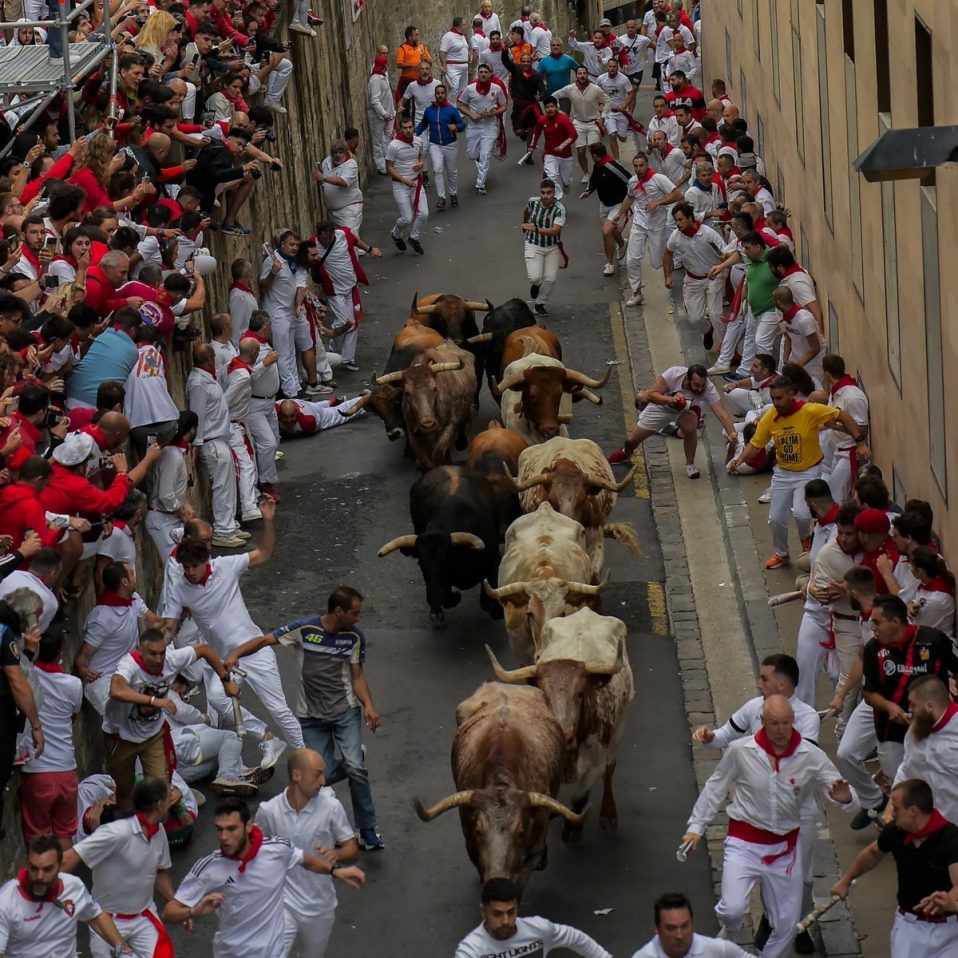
x=21, y=509
x=100, y=294
x=72, y=494
x=29, y=435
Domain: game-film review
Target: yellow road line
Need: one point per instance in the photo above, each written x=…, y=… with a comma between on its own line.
x=657, y=609
x=617, y=324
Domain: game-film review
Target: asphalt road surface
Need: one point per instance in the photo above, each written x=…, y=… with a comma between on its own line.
x=345, y=493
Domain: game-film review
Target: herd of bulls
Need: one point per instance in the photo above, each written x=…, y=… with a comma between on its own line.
x=547, y=498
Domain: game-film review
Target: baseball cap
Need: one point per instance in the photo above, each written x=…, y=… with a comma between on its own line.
x=747, y=161
x=76, y=448
x=874, y=521
x=605, y=22
x=728, y=151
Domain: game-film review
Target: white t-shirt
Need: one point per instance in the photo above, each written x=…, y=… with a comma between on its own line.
x=699, y=252
x=205, y=397
x=669, y=125
x=217, y=607
x=147, y=395
x=657, y=187
x=420, y=95
x=169, y=482
x=801, y=285
x=404, y=156
x=855, y=403
x=479, y=103
x=338, y=197
x=113, y=631
x=322, y=822
x=455, y=47
x=671, y=164
x=24, y=579
x=798, y=329
x=540, y=40
x=251, y=921
x=339, y=264
x=633, y=51
x=701, y=947
x=62, y=700
x=137, y=723
x=242, y=303
x=615, y=88
x=29, y=929
x=281, y=295
x=673, y=377
x=118, y=546
x=478, y=45
x=534, y=937
x=124, y=863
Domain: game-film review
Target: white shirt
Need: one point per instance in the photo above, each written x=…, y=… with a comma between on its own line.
x=339, y=197
x=936, y=610
x=934, y=760
x=541, y=41
x=615, y=88
x=656, y=188
x=765, y=198
x=674, y=378
x=379, y=96
x=747, y=720
x=668, y=125
x=489, y=23
x=118, y=546
x=241, y=305
x=147, y=396
x=169, y=482
x=124, y=863
x=23, y=579
x=280, y=298
x=206, y=399
x=592, y=59
x=217, y=607
x=830, y=565
x=137, y=723
x=455, y=47
x=62, y=700
x=801, y=285
x=633, y=50
x=265, y=378
x=251, y=921
x=493, y=59
x=238, y=393
x=855, y=403
x=223, y=355
x=699, y=252
x=686, y=61
x=420, y=95
x=798, y=329
x=113, y=631
x=30, y=929
x=91, y=790
x=403, y=156
x=339, y=264
x=478, y=45
x=323, y=822
x=585, y=104
x=671, y=164
x=478, y=102
x=701, y=947
x=703, y=201
x=764, y=798
x=534, y=937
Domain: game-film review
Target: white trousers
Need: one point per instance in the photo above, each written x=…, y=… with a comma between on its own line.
x=313, y=932
x=559, y=170
x=766, y=332
x=342, y=312
x=704, y=296
x=188, y=106
x=913, y=938
x=278, y=80
x=161, y=526
x=839, y=475
x=639, y=241
x=445, y=168
x=203, y=750
x=380, y=133
x=740, y=402
x=221, y=705
x=788, y=500
x=542, y=268
x=290, y=333
x=480, y=139
x=858, y=742
x=263, y=430
x=139, y=933
x=405, y=197
x=328, y=417
x=748, y=345
x=351, y=217
x=810, y=652
x=326, y=361
x=458, y=76
x=299, y=13
x=781, y=891
x=217, y=459
x=245, y=468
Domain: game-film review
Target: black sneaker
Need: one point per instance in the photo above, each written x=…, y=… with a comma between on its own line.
x=400, y=243
x=416, y=246
x=440, y=205
x=541, y=310
x=534, y=291
x=708, y=339
x=453, y=201
x=732, y=377
x=803, y=944
x=864, y=818
x=370, y=840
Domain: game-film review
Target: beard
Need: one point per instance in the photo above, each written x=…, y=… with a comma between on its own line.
x=921, y=726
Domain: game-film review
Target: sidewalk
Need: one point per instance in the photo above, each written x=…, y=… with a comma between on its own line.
x=715, y=539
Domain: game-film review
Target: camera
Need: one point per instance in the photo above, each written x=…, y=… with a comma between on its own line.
x=52, y=418
x=270, y=135
x=256, y=174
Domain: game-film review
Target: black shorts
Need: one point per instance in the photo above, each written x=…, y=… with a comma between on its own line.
x=635, y=78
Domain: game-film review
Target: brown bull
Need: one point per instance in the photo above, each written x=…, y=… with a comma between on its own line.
x=530, y=339
x=507, y=765
x=492, y=453
x=451, y=316
x=417, y=335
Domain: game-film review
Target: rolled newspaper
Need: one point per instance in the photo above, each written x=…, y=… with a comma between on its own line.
x=784, y=597
x=526, y=158
x=682, y=852
x=817, y=913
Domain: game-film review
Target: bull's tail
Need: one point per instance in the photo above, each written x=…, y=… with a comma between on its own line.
x=623, y=532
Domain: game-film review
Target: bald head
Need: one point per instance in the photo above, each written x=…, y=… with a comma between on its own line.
x=203, y=355
x=158, y=144
x=198, y=529
x=248, y=350
x=714, y=109
x=115, y=427
x=778, y=718
x=730, y=113
x=307, y=775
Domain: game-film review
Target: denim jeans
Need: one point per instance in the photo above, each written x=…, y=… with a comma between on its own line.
x=346, y=731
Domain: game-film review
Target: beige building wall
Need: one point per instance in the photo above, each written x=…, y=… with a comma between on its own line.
x=818, y=81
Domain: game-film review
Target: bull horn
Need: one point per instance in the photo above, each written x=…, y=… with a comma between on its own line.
x=510, y=675
x=480, y=307
x=356, y=407
x=428, y=308
x=415, y=300
x=538, y=800
x=400, y=542
x=580, y=379
x=614, y=486
x=466, y=539
x=504, y=591
x=603, y=668
x=584, y=588
x=450, y=801
x=510, y=383
x=445, y=367
x=389, y=378
x=523, y=484
x=480, y=338
x=565, y=418
x=591, y=396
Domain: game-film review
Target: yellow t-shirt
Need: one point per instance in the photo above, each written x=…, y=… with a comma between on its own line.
x=796, y=436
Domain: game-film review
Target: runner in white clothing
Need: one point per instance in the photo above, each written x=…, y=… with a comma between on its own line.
x=405, y=162
x=503, y=934
x=801, y=341
x=675, y=935
x=483, y=102
x=380, y=110
x=299, y=417
x=311, y=817
x=454, y=57
x=420, y=93
x=338, y=176
x=840, y=465
x=244, y=883
x=620, y=101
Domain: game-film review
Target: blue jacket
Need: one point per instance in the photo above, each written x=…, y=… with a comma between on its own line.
x=438, y=118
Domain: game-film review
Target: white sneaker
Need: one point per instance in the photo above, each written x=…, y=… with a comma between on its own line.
x=233, y=786
x=198, y=797
x=243, y=534
x=251, y=516
x=585, y=178
x=298, y=27
x=279, y=456
x=232, y=541
x=766, y=497
x=719, y=369
x=276, y=107
x=317, y=389
x=608, y=269
x=636, y=299
x=272, y=749
x=692, y=471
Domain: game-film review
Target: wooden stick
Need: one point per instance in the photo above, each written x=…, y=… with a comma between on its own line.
x=817, y=912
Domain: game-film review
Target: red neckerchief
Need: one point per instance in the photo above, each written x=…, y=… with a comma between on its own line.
x=603, y=160
x=493, y=46
x=582, y=86
x=789, y=314
x=242, y=286
x=528, y=74
x=107, y=597
x=237, y=363
x=763, y=742
x=649, y=173
x=23, y=886
x=478, y=33
x=148, y=827
x=664, y=151
x=693, y=229
x=139, y=661
x=483, y=88
x=399, y=136
x=795, y=408
x=841, y=383
x=51, y=668
x=455, y=30
x=792, y=270
x=206, y=575
x=31, y=258
x=938, y=584
x=425, y=82
x=934, y=824
x=785, y=231
x=829, y=516
x=179, y=444
x=210, y=373
x=950, y=712
x=758, y=224
x=255, y=842
x=249, y=334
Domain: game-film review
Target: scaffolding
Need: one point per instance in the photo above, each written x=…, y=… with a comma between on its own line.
x=37, y=78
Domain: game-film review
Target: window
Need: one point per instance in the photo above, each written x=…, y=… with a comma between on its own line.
x=741, y=8
x=923, y=74
x=848, y=29
x=882, y=69
x=806, y=259
x=898, y=487
x=832, y=328
x=780, y=185
x=799, y=95
x=776, y=73
x=934, y=366
x=728, y=56
x=823, y=115
x=854, y=180
x=756, y=31
x=742, y=93
x=760, y=136
x=890, y=257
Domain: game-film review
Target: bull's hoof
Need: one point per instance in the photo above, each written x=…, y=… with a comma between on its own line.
x=437, y=618
x=609, y=823
x=452, y=600
x=571, y=834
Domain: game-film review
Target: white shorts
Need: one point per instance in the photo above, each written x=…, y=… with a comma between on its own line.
x=616, y=123
x=588, y=133
x=610, y=213
x=656, y=417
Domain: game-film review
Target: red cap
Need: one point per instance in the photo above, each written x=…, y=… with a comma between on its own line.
x=872, y=521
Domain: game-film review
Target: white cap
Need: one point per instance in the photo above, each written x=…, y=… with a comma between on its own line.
x=605, y=22
x=76, y=448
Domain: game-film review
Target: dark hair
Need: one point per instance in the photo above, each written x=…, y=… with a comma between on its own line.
x=782, y=382
x=125, y=238
x=753, y=238
x=150, y=636
x=686, y=209
x=81, y=315
x=892, y=607
x=916, y=793
x=499, y=889
x=767, y=360
x=33, y=399
x=781, y=256
x=192, y=552
x=114, y=574
x=920, y=507
x=872, y=491
x=44, y=561
x=51, y=643
x=547, y=184
x=799, y=377
x=239, y=133
x=43, y=844
x=697, y=369
x=56, y=327
x=36, y=467
x=110, y=393
x=930, y=687
x=746, y=218
x=847, y=512
x=670, y=901
x=10, y=305
x=817, y=489
x=932, y=564
x=860, y=579
x=149, y=792
x=65, y=200
x=126, y=318
x=914, y=526
x=134, y=501
x=232, y=806
x=784, y=666
x=188, y=420
x=833, y=364
x=342, y=598
x=410, y=30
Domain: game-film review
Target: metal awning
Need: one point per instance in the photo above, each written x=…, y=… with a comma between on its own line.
x=29, y=69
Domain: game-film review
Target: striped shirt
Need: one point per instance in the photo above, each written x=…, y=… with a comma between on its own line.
x=544, y=217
